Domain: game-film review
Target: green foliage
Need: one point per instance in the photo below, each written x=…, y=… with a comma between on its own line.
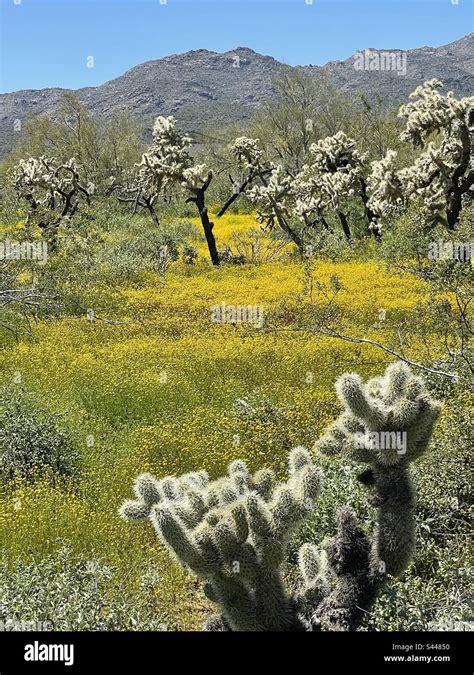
x=100, y=148
x=62, y=592
x=306, y=109
x=33, y=442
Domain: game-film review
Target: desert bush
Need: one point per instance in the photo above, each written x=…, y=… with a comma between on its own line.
x=227, y=257
x=33, y=441
x=256, y=249
x=154, y=251
x=188, y=254
x=65, y=592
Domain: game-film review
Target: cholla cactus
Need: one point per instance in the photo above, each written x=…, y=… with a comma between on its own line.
x=52, y=189
x=169, y=151
x=273, y=199
x=444, y=174
x=233, y=532
x=346, y=578
x=386, y=188
x=431, y=112
x=194, y=178
x=247, y=153
x=387, y=424
x=164, y=167
x=337, y=154
x=160, y=170
x=251, y=165
x=334, y=175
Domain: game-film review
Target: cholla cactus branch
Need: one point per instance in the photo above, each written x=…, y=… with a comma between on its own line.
x=335, y=173
x=443, y=175
x=274, y=199
x=387, y=424
x=233, y=533
x=250, y=162
x=160, y=170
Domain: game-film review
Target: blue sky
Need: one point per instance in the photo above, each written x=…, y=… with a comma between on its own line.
x=46, y=43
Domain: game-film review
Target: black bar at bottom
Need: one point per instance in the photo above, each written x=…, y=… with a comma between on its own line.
x=90, y=653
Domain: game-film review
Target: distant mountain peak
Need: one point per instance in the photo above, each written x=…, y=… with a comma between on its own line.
x=207, y=89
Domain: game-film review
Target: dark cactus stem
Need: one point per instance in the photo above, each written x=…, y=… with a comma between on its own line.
x=453, y=208
x=152, y=211
x=353, y=586
x=283, y=223
x=394, y=539
x=208, y=226
x=345, y=226
x=235, y=194
x=369, y=214
x=461, y=184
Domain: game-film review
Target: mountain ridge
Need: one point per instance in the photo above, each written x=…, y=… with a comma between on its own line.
x=204, y=88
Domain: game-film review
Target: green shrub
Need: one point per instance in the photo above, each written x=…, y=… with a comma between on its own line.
x=66, y=593
x=33, y=441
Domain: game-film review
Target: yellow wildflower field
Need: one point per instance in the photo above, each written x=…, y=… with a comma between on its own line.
x=155, y=392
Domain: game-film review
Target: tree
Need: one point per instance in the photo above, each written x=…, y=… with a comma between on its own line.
x=101, y=148
x=251, y=165
x=196, y=181
x=335, y=174
x=275, y=200
x=305, y=108
x=167, y=166
x=161, y=168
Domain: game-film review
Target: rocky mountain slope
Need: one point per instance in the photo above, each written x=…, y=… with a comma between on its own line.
x=206, y=89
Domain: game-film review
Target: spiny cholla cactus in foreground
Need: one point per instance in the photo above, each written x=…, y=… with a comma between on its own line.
x=233, y=532
x=387, y=424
